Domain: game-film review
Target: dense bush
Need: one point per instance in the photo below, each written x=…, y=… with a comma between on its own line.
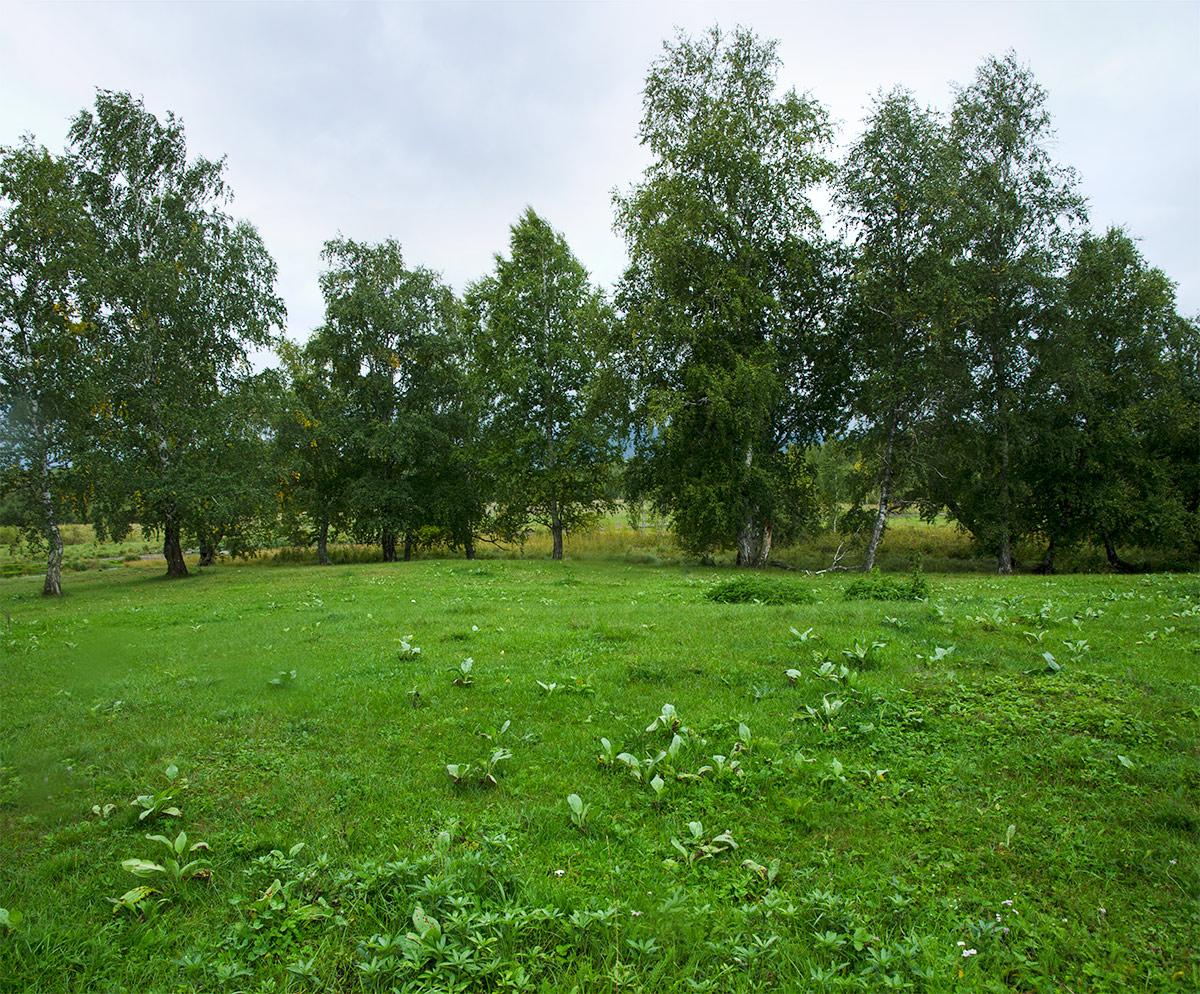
x=749, y=588
x=874, y=586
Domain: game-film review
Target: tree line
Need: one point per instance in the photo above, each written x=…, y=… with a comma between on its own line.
x=963, y=332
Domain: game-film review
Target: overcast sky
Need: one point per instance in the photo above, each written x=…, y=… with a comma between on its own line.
x=437, y=123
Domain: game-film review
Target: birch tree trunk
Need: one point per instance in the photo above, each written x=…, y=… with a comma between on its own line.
x=764, y=549
x=882, y=511
x=53, y=585
x=748, y=533
x=54, y=557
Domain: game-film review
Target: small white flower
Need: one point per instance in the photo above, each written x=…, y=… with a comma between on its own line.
x=559, y=873
x=970, y=952
x=636, y=914
x=962, y=943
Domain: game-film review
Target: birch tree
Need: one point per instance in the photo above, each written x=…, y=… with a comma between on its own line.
x=544, y=336
x=1015, y=226
x=185, y=292
x=896, y=191
x=727, y=295
x=47, y=384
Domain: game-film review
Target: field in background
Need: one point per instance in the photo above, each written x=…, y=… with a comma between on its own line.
x=939, y=546
x=992, y=790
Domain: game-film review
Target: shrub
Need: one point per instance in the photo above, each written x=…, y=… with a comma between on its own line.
x=874, y=586
x=749, y=588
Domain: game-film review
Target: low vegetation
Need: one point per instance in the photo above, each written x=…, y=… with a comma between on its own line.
x=533, y=776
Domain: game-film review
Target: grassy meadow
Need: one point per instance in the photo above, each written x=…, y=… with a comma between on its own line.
x=996, y=788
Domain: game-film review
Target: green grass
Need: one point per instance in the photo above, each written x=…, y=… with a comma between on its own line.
x=964, y=795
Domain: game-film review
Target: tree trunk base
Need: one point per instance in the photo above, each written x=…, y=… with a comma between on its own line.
x=1114, y=560
x=323, y=545
x=53, y=585
x=173, y=553
x=763, y=556
x=1046, y=566
x=1004, y=558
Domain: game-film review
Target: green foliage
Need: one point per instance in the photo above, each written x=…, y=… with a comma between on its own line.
x=490, y=755
x=183, y=293
x=164, y=803
x=579, y=811
x=754, y=588
x=554, y=414
x=173, y=867
x=726, y=296
x=874, y=586
x=373, y=428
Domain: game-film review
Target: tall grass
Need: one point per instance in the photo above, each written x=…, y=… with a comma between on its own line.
x=939, y=546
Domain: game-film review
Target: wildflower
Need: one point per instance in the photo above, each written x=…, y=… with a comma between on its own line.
x=962, y=943
x=559, y=873
x=636, y=914
x=970, y=952
x=1007, y=904
x=1103, y=912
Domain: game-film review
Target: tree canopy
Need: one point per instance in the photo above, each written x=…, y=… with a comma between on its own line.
x=544, y=340
x=728, y=294
x=184, y=292
x=963, y=345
